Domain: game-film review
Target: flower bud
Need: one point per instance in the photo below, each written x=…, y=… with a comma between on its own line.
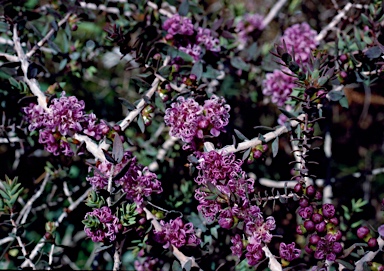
x=309, y=225
x=334, y=221
x=328, y=210
x=314, y=239
x=300, y=229
x=310, y=191
x=303, y=202
x=298, y=188
x=317, y=218
x=320, y=227
x=343, y=58
x=372, y=242
x=362, y=232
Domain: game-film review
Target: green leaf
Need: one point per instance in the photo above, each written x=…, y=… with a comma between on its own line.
x=373, y=52
x=117, y=148
x=335, y=95
x=246, y=154
x=238, y=63
x=140, y=122
x=100, y=249
x=4, y=27
x=275, y=146
x=176, y=266
x=288, y=114
x=197, y=69
x=127, y=104
x=240, y=135
x=183, y=8
x=344, y=102
x=356, y=224
x=188, y=265
x=345, y=264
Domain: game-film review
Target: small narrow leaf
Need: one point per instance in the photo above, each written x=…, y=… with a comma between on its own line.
x=140, y=122
x=197, y=70
x=127, y=104
x=246, y=154
x=100, y=249
x=117, y=149
x=183, y=8
x=275, y=146
x=240, y=135
x=109, y=157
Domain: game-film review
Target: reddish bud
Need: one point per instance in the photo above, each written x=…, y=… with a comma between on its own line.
x=309, y=225
x=372, y=242
x=310, y=191
x=362, y=232
x=303, y=202
x=298, y=188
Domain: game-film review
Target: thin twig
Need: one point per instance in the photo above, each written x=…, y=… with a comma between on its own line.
x=334, y=22
x=104, y=8
x=47, y=36
x=139, y=107
x=22, y=218
x=63, y=215
x=256, y=141
x=273, y=12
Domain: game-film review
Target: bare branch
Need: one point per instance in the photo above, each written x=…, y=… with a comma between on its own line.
x=273, y=12
x=256, y=141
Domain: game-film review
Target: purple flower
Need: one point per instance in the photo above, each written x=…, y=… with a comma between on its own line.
x=204, y=37
x=189, y=120
x=381, y=230
x=193, y=50
x=178, y=25
x=237, y=245
x=249, y=24
x=289, y=252
x=254, y=253
x=176, y=233
x=278, y=86
x=137, y=182
x=64, y=117
x=328, y=210
x=300, y=38
x=107, y=228
x=306, y=212
x=226, y=219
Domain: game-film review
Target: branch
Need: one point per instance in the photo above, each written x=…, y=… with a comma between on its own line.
x=370, y=255
x=9, y=57
x=273, y=264
x=162, y=152
x=336, y=20
x=22, y=218
x=256, y=141
x=272, y=13
x=49, y=34
x=104, y=8
x=32, y=83
x=133, y=114
x=63, y=215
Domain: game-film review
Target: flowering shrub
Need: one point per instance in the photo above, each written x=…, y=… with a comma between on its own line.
x=137, y=118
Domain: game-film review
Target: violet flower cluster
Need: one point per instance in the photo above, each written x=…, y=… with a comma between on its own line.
x=64, y=117
x=101, y=225
x=184, y=37
x=189, y=121
x=223, y=195
x=176, y=233
x=301, y=39
x=321, y=224
x=137, y=181
x=247, y=26
x=289, y=252
x=278, y=85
